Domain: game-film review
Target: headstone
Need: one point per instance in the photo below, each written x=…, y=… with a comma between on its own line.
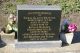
x=38, y=25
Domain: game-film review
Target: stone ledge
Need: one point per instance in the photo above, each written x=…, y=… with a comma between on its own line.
x=38, y=44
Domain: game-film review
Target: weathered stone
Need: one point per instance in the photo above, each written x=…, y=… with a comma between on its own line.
x=7, y=38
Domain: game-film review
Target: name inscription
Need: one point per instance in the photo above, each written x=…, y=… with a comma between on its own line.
x=37, y=25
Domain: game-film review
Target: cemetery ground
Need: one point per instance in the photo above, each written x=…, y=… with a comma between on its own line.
x=73, y=48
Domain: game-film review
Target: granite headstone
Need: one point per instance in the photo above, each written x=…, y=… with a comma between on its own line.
x=38, y=23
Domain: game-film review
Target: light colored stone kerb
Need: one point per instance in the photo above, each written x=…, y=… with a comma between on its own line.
x=38, y=44
x=38, y=7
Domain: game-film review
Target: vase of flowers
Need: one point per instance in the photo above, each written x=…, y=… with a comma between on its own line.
x=9, y=32
x=68, y=30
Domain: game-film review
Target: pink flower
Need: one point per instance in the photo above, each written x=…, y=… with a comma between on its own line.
x=12, y=17
x=72, y=27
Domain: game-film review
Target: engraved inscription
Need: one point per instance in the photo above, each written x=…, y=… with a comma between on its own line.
x=38, y=25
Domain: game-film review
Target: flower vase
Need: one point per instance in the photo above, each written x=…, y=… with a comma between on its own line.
x=67, y=37
x=7, y=38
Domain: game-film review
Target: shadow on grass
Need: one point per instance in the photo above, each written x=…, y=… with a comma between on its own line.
x=2, y=43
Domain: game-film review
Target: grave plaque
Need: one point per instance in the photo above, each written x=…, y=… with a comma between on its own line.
x=38, y=23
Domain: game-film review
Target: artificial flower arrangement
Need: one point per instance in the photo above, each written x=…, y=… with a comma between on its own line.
x=72, y=27
x=11, y=27
x=68, y=27
x=9, y=32
x=67, y=30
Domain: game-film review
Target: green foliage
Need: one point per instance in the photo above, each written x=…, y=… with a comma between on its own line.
x=21, y=1
x=52, y=2
x=68, y=6
x=9, y=7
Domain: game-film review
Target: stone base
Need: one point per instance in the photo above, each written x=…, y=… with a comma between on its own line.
x=38, y=44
